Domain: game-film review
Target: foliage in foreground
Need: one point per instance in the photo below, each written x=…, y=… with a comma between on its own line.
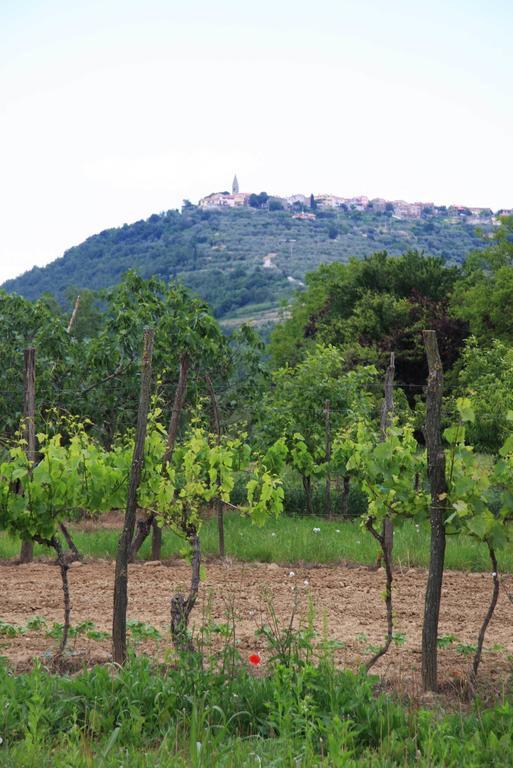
x=298, y=715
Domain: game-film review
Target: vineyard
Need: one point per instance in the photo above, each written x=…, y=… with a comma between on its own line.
x=217, y=553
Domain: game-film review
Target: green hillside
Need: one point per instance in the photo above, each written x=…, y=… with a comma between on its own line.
x=243, y=261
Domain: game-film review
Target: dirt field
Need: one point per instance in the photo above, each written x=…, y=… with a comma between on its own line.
x=347, y=599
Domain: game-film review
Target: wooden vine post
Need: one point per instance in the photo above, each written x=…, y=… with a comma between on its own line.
x=387, y=411
x=119, y=651
x=29, y=429
x=218, y=504
x=327, y=426
x=438, y=486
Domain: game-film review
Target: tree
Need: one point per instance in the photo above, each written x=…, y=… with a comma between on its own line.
x=71, y=475
x=295, y=408
x=385, y=466
x=202, y=469
x=31, y=324
x=484, y=295
x=374, y=306
x=258, y=201
x=88, y=320
x=485, y=375
x=472, y=482
x=108, y=389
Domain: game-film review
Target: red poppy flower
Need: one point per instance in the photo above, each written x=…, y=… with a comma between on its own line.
x=254, y=659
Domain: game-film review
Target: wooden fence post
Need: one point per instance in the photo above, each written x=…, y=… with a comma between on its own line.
x=387, y=411
x=218, y=503
x=327, y=427
x=125, y=540
x=438, y=485
x=29, y=429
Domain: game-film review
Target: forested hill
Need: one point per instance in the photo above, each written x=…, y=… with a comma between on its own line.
x=243, y=261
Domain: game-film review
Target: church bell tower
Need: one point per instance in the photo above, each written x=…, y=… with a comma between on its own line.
x=235, y=186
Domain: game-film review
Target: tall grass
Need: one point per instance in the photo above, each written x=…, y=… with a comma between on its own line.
x=293, y=540
x=313, y=716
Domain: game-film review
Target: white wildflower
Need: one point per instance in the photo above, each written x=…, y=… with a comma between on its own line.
x=316, y=530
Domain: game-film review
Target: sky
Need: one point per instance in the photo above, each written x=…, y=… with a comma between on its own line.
x=111, y=110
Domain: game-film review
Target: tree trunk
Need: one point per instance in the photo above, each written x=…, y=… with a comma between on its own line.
x=69, y=541
x=387, y=411
x=55, y=544
x=182, y=606
x=388, y=593
x=344, y=504
x=486, y=620
x=438, y=485
x=124, y=545
x=73, y=315
x=156, y=541
x=143, y=530
x=307, y=485
x=29, y=428
x=218, y=504
x=327, y=491
x=64, y=567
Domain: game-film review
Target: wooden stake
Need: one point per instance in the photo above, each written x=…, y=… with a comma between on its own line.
x=218, y=504
x=327, y=426
x=119, y=652
x=438, y=484
x=387, y=411
x=29, y=429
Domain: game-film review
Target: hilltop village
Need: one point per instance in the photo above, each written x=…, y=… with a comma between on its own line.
x=305, y=206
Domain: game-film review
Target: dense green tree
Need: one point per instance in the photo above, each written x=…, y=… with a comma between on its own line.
x=378, y=304
x=486, y=375
x=484, y=295
x=88, y=319
x=31, y=324
x=109, y=373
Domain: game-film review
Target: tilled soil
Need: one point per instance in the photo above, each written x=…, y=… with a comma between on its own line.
x=347, y=601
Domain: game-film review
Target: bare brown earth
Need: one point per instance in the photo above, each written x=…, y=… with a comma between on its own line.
x=347, y=600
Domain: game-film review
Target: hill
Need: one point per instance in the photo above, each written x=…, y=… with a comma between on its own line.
x=242, y=261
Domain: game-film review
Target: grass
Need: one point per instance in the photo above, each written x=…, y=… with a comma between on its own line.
x=292, y=540
x=303, y=714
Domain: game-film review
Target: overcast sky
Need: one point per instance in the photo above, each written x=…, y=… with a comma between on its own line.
x=111, y=110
